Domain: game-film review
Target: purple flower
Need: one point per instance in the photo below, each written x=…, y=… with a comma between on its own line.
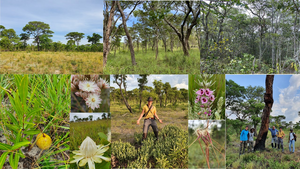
x=208, y=92
x=200, y=92
x=209, y=110
x=205, y=113
x=204, y=100
x=212, y=98
x=209, y=114
x=202, y=106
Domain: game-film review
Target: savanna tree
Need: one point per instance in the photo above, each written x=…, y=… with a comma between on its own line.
x=37, y=29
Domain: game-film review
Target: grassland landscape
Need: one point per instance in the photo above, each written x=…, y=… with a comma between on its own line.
x=35, y=62
x=270, y=158
x=81, y=129
x=130, y=151
x=166, y=62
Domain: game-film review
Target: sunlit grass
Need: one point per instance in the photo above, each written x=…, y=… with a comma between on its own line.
x=51, y=62
x=166, y=63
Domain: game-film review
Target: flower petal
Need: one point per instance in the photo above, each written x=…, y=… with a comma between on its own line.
x=102, y=157
x=91, y=164
x=83, y=162
x=97, y=159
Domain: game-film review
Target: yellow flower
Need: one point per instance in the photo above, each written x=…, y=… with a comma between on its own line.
x=90, y=153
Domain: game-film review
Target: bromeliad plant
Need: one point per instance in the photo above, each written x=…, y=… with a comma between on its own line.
x=204, y=99
x=88, y=88
x=30, y=110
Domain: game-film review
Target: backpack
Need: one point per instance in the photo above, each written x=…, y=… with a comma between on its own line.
x=295, y=137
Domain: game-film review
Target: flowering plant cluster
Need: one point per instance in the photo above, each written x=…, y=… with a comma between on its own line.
x=89, y=87
x=205, y=98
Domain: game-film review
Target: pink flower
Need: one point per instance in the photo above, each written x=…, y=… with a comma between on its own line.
x=208, y=92
x=209, y=110
x=209, y=114
x=203, y=100
x=200, y=92
x=205, y=113
x=202, y=106
x=197, y=99
x=212, y=98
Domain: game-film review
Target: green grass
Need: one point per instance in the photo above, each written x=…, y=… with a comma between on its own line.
x=80, y=130
x=270, y=158
x=166, y=63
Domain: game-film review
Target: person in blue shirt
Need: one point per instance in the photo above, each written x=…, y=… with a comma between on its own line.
x=274, y=136
x=244, y=140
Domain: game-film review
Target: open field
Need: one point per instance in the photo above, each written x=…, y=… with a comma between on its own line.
x=51, y=62
x=166, y=63
x=270, y=158
x=124, y=123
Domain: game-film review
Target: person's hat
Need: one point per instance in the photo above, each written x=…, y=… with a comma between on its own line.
x=280, y=127
x=150, y=99
x=291, y=129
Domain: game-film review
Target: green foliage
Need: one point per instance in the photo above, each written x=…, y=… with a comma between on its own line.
x=124, y=152
x=32, y=105
x=170, y=150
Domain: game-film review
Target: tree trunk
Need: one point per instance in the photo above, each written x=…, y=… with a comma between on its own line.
x=107, y=31
x=156, y=44
x=127, y=34
x=268, y=99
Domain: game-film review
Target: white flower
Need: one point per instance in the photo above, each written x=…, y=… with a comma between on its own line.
x=90, y=153
x=88, y=86
x=102, y=84
x=108, y=135
x=93, y=100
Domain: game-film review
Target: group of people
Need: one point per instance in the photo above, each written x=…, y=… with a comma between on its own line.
x=277, y=137
x=247, y=138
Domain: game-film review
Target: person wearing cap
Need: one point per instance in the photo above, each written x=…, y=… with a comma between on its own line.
x=244, y=140
x=292, y=141
x=149, y=113
x=274, y=136
x=280, y=136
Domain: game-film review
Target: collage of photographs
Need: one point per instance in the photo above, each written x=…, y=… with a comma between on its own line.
x=101, y=84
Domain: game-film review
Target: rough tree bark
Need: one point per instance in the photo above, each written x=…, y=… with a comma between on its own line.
x=268, y=99
x=127, y=34
x=107, y=30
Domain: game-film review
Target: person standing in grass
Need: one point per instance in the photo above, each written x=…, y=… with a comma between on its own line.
x=292, y=139
x=280, y=136
x=243, y=140
x=274, y=136
x=251, y=140
x=149, y=113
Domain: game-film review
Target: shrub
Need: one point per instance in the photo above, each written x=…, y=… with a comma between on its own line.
x=123, y=151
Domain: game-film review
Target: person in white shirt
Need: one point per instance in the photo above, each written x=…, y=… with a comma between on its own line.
x=292, y=141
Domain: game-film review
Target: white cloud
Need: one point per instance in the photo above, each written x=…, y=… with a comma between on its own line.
x=289, y=99
x=182, y=86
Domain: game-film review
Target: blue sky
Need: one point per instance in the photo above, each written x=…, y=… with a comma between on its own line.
x=286, y=93
x=179, y=81
x=63, y=16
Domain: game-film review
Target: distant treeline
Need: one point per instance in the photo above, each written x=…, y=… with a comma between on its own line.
x=40, y=32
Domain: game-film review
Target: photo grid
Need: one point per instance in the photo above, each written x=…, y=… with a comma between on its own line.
x=149, y=84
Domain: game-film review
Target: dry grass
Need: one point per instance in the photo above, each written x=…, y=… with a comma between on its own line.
x=123, y=123
x=51, y=62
